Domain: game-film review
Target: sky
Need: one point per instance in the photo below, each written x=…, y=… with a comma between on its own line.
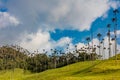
x=46, y=24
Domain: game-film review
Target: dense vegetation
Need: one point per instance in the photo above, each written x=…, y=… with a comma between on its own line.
x=16, y=57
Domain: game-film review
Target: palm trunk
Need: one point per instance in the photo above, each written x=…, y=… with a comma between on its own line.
x=116, y=43
x=99, y=49
x=109, y=47
x=103, y=52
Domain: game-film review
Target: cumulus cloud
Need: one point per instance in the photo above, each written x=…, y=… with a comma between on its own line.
x=114, y=3
x=7, y=20
x=63, y=42
x=41, y=40
x=118, y=33
x=83, y=13
x=33, y=41
x=64, y=14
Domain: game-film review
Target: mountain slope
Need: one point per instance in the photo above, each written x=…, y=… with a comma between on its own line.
x=97, y=70
x=89, y=70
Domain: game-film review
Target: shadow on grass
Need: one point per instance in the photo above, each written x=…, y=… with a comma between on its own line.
x=86, y=70
x=107, y=71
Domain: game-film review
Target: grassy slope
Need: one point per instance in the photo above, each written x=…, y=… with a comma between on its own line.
x=89, y=70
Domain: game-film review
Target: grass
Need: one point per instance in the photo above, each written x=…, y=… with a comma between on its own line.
x=114, y=57
x=89, y=70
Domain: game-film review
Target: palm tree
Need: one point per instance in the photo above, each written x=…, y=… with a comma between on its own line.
x=88, y=40
x=54, y=52
x=99, y=36
x=68, y=51
x=35, y=55
x=108, y=34
x=103, y=52
x=94, y=52
x=94, y=49
x=110, y=48
x=92, y=42
x=113, y=41
x=114, y=20
x=45, y=54
x=76, y=48
x=76, y=51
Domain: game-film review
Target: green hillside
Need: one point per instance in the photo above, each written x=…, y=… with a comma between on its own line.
x=114, y=57
x=89, y=70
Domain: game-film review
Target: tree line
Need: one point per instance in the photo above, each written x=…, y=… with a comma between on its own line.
x=12, y=57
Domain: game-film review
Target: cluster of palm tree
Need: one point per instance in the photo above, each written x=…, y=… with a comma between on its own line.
x=111, y=41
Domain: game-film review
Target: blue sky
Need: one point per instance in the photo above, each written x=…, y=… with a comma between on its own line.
x=98, y=26
x=39, y=24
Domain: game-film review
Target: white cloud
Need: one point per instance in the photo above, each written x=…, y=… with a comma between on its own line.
x=63, y=42
x=41, y=40
x=7, y=20
x=118, y=33
x=64, y=14
x=114, y=3
x=34, y=41
x=80, y=45
x=80, y=14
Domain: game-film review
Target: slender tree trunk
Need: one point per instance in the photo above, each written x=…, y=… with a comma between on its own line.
x=99, y=50
x=115, y=30
x=113, y=48
x=109, y=47
x=115, y=42
x=55, y=62
x=103, y=51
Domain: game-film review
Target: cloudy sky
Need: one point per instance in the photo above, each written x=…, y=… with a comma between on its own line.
x=46, y=24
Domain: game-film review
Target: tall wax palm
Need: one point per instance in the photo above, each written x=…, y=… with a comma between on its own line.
x=45, y=53
x=13, y=65
x=35, y=59
x=108, y=34
x=54, y=52
x=99, y=37
x=92, y=43
x=4, y=58
x=85, y=53
x=68, y=51
x=46, y=63
x=88, y=40
x=103, y=51
x=114, y=20
x=76, y=51
x=76, y=48
x=111, y=48
x=94, y=49
x=113, y=44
